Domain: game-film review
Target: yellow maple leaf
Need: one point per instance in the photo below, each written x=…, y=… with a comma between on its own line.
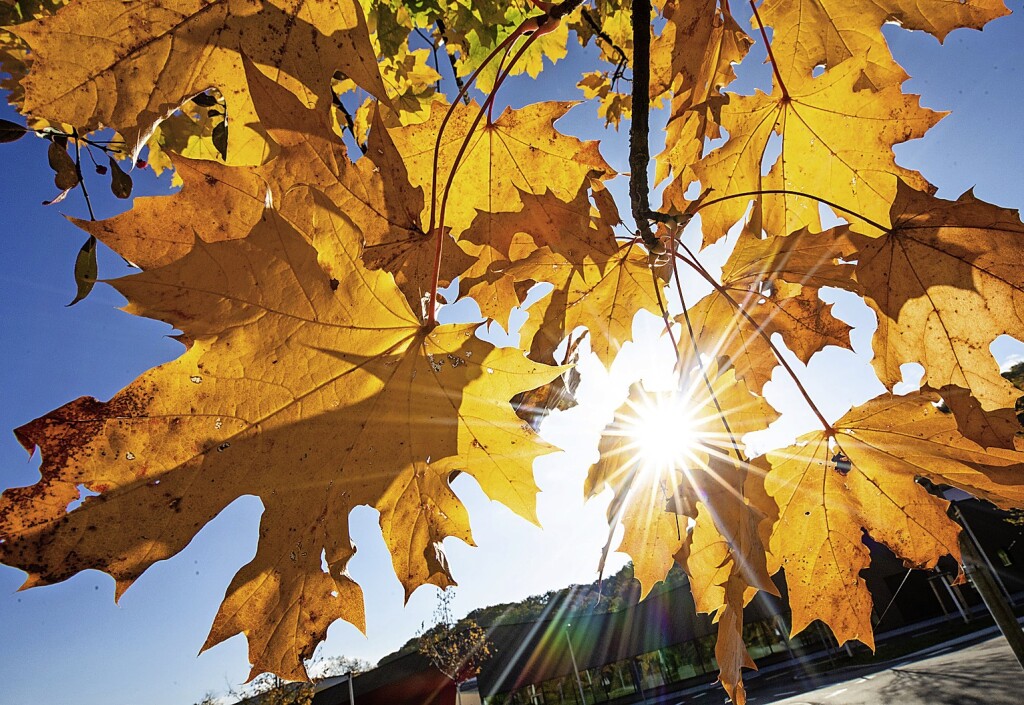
x=811, y=33
x=693, y=58
x=727, y=557
x=315, y=395
x=701, y=506
x=653, y=495
x=945, y=282
x=521, y=151
x=771, y=286
x=216, y=203
x=601, y=291
x=90, y=56
x=836, y=140
x=828, y=494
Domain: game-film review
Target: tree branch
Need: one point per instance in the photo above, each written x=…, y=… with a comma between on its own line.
x=639, y=129
x=603, y=36
x=443, y=32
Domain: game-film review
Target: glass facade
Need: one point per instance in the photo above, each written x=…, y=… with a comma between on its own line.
x=660, y=670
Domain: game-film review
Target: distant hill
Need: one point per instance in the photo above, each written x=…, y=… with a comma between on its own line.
x=609, y=595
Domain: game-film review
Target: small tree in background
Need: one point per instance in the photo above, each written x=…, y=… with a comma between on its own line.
x=332, y=666
x=457, y=649
x=270, y=689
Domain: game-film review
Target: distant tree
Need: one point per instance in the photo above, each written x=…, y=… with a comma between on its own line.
x=457, y=649
x=337, y=666
x=270, y=689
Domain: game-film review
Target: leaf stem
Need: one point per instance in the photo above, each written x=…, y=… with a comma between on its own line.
x=81, y=176
x=439, y=223
x=783, y=192
x=771, y=55
x=664, y=317
x=639, y=129
x=696, y=353
x=694, y=264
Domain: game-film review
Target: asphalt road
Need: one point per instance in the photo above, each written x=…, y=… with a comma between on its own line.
x=983, y=674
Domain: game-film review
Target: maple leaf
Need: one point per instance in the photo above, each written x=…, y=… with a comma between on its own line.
x=285, y=370
x=771, y=286
x=650, y=497
x=602, y=291
x=519, y=152
x=727, y=559
x=827, y=496
x=945, y=282
x=811, y=33
x=89, y=55
x=693, y=57
x=989, y=429
x=384, y=213
x=569, y=229
x=216, y=203
x=835, y=139
x=599, y=283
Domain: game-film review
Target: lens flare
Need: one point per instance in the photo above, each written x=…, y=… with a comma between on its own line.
x=665, y=434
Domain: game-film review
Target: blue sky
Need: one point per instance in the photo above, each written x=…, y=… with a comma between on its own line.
x=71, y=643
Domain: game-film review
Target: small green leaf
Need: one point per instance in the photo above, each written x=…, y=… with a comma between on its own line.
x=65, y=171
x=85, y=269
x=120, y=182
x=11, y=131
x=220, y=139
x=205, y=100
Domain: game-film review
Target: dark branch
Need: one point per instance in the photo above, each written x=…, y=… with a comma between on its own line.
x=603, y=36
x=443, y=32
x=639, y=129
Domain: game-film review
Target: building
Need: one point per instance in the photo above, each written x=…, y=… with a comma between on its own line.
x=661, y=646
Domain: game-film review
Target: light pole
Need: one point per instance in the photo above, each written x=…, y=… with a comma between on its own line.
x=978, y=569
x=575, y=668
x=351, y=695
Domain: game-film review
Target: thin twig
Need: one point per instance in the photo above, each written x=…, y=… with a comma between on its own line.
x=664, y=317
x=443, y=32
x=433, y=50
x=349, y=122
x=603, y=36
x=100, y=144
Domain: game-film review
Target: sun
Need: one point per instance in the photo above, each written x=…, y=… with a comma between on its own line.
x=665, y=432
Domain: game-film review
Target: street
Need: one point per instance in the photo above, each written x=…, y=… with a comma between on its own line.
x=983, y=674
